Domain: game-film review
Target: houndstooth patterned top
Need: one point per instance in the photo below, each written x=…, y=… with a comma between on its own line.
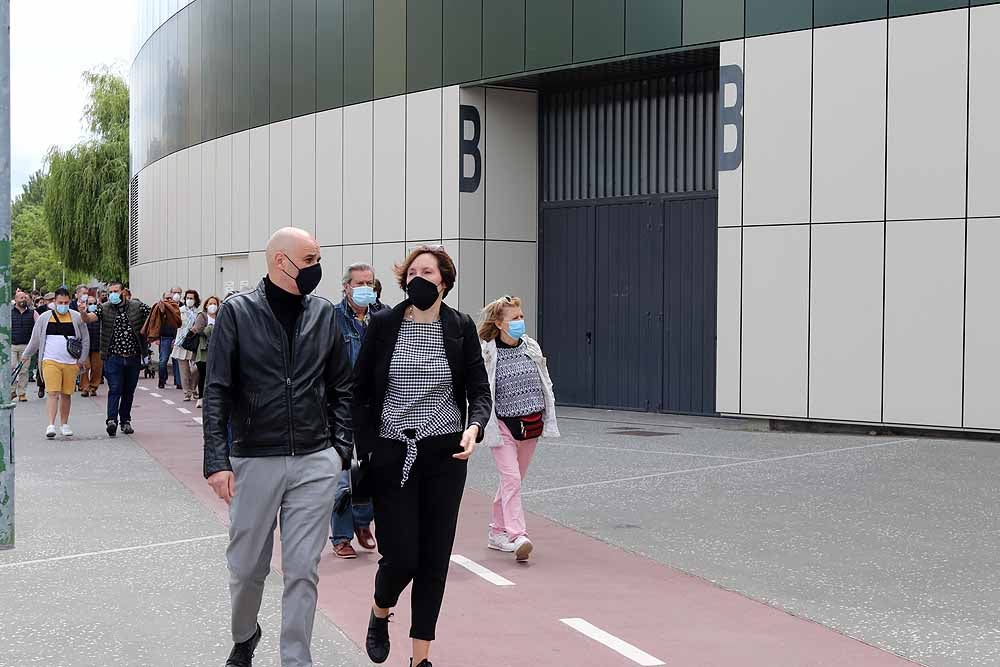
x=420, y=397
x=518, y=386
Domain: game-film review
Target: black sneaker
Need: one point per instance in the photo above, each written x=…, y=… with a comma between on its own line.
x=423, y=663
x=127, y=428
x=377, y=642
x=112, y=427
x=242, y=653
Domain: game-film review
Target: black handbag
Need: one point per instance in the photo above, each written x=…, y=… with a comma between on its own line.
x=191, y=341
x=74, y=346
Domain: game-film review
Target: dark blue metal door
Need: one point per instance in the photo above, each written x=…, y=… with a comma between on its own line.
x=629, y=329
x=629, y=241
x=689, y=305
x=567, y=290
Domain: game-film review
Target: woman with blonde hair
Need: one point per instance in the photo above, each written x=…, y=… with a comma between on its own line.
x=524, y=410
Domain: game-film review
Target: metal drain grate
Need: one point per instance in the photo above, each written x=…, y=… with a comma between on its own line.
x=639, y=433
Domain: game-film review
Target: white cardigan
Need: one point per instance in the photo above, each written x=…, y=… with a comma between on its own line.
x=534, y=350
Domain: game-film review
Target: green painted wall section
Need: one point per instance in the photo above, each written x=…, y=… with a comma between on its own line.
x=221, y=67
x=390, y=48
x=463, y=41
x=598, y=29
x=836, y=12
x=712, y=20
x=651, y=25
x=548, y=33
x=303, y=57
x=503, y=37
x=280, y=60
x=906, y=7
x=260, y=68
x=359, y=55
x=329, y=54
x=764, y=17
x=424, y=35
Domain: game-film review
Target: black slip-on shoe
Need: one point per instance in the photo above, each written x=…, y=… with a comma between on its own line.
x=377, y=642
x=112, y=427
x=242, y=653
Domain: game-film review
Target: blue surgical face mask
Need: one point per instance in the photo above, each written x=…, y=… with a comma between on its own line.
x=92, y=308
x=62, y=308
x=363, y=295
x=515, y=329
x=115, y=297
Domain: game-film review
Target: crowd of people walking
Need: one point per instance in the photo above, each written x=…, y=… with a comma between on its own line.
x=356, y=420
x=342, y=421
x=100, y=336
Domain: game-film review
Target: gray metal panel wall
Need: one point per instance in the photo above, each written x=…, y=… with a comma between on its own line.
x=654, y=136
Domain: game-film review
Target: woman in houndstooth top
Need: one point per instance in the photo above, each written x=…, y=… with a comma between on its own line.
x=421, y=403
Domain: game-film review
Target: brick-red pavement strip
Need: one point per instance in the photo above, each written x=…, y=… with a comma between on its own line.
x=678, y=618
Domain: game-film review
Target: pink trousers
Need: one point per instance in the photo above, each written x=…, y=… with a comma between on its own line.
x=512, y=458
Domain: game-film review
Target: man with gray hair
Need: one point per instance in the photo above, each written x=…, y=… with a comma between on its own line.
x=353, y=314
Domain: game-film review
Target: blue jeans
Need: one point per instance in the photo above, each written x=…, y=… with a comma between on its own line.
x=122, y=374
x=166, y=347
x=342, y=525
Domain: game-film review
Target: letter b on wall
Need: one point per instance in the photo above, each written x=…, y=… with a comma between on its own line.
x=730, y=116
x=469, y=120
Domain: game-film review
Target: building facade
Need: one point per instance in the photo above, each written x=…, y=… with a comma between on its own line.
x=781, y=208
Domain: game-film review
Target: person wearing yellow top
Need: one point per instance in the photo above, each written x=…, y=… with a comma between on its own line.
x=61, y=340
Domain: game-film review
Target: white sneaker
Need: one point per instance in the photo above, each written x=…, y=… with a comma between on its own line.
x=50, y=431
x=522, y=548
x=66, y=430
x=198, y=404
x=500, y=542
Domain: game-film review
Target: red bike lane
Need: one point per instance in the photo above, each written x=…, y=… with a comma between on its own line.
x=578, y=601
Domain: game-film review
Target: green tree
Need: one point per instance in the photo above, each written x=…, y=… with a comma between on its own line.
x=32, y=255
x=86, y=191
x=32, y=192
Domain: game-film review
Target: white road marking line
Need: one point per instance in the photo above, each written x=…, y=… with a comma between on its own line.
x=114, y=551
x=168, y=401
x=650, y=451
x=183, y=411
x=671, y=473
x=144, y=388
x=155, y=395
x=622, y=647
x=198, y=419
x=479, y=570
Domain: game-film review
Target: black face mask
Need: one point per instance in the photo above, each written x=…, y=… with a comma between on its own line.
x=422, y=292
x=308, y=278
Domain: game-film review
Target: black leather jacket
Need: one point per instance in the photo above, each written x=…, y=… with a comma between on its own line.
x=281, y=402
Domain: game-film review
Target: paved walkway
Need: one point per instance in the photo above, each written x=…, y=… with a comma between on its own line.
x=120, y=558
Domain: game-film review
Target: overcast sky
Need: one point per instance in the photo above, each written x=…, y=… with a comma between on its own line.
x=52, y=43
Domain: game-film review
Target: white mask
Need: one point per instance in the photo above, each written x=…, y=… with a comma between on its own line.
x=190, y=303
x=212, y=309
x=176, y=297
